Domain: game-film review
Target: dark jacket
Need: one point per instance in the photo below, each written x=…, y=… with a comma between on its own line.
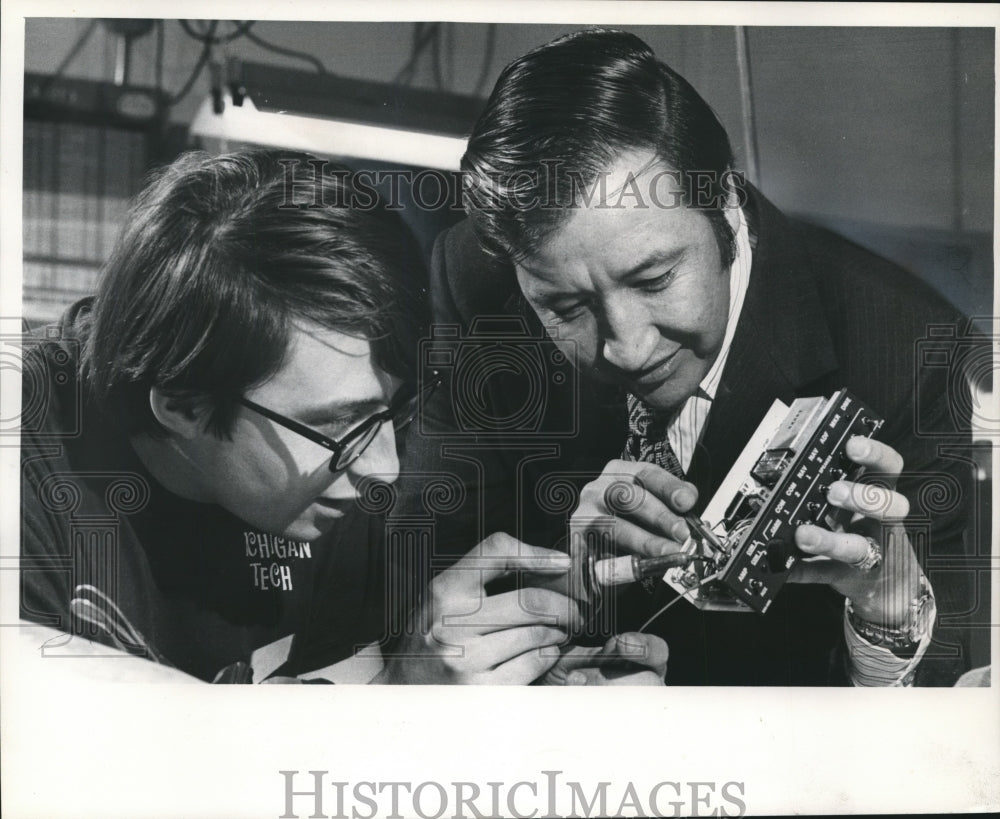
x=820, y=313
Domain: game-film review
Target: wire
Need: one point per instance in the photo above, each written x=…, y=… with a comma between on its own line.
x=81, y=41
x=206, y=53
x=708, y=579
x=288, y=52
x=488, y=50
x=421, y=38
x=158, y=67
x=111, y=619
x=436, y=60
x=208, y=36
x=408, y=65
x=450, y=53
x=420, y=41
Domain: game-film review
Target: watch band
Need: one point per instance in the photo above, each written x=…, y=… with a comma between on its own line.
x=902, y=640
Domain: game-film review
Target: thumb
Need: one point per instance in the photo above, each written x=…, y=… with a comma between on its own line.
x=500, y=554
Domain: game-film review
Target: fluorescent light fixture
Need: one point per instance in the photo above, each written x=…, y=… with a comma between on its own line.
x=327, y=137
x=334, y=116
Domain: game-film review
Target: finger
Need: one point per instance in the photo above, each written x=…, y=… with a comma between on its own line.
x=494, y=649
x=632, y=538
x=632, y=647
x=880, y=596
x=875, y=455
x=500, y=554
x=605, y=675
x=843, y=547
x=521, y=607
x=645, y=649
x=821, y=572
x=524, y=668
x=647, y=510
x=668, y=488
x=868, y=499
x=578, y=657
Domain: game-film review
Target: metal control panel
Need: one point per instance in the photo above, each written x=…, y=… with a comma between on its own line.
x=798, y=473
x=747, y=550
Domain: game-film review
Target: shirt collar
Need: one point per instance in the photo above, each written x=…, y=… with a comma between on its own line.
x=739, y=280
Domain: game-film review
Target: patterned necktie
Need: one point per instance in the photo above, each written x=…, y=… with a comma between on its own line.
x=647, y=438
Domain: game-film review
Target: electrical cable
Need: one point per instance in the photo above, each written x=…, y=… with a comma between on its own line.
x=436, y=60
x=75, y=49
x=158, y=65
x=95, y=607
x=708, y=579
x=449, y=51
x=287, y=52
x=408, y=65
x=206, y=53
x=208, y=36
x=488, y=50
x=421, y=39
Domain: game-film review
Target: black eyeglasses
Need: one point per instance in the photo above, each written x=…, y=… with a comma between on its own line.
x=402, y=410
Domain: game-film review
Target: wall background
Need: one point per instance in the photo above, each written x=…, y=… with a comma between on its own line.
x=893, y=126
x=885, y=134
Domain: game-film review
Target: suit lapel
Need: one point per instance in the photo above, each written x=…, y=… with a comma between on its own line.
x=781, y=344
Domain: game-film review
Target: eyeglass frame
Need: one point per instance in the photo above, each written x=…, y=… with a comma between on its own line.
x=404, y=395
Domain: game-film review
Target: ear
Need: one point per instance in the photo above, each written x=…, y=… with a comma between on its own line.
x=184, y=417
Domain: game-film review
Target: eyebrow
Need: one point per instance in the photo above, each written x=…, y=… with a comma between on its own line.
x=549, y=296
x=656, y=258
x=339, y=411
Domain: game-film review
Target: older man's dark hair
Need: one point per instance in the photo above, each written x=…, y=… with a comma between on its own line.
x=562, y=114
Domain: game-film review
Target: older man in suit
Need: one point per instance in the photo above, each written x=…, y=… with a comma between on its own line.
x=607, y=224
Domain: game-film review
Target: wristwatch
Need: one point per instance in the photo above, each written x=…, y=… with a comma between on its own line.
x=904, y=639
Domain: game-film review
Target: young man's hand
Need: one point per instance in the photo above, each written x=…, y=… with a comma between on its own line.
x=625, y=659
x=459, y=634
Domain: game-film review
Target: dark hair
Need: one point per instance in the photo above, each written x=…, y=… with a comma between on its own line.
x=217, y=259
x=562, y=114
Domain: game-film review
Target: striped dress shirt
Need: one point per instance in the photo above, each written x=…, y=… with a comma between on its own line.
x=869, y=665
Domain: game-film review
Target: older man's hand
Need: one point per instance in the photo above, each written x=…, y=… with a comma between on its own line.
x=883, y=594
x=643, y=503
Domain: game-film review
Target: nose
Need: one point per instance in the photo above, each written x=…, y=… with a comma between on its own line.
x=629, y=336
x=379, y=458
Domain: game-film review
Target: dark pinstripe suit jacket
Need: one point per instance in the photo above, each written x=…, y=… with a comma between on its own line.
x=820, y=313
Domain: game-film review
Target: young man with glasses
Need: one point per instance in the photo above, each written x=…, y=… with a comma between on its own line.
x=196, y=436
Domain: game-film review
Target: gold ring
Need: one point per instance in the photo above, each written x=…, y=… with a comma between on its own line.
x=872, y=560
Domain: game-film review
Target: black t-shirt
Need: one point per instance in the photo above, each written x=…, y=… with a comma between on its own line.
x=108, y=553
